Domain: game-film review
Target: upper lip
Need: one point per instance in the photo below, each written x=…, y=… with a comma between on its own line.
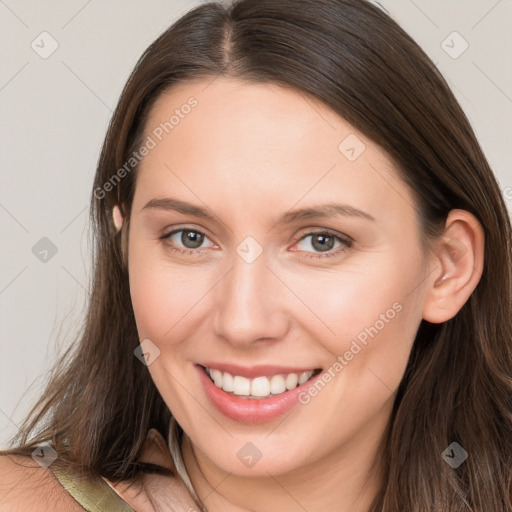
x=251, y=372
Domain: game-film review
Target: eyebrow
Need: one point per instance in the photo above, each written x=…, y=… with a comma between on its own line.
x=313, y=212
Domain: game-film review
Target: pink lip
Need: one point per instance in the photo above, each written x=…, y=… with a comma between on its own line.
x=245, y=410
x=252, y=372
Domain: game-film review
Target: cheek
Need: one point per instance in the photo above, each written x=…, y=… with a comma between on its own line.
x=165, y=297
x=355, y=301
x=366, y=317
x=374, y=323
x=166, y=302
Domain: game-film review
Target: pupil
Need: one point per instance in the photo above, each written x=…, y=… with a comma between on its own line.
x=325, y=244
x=191, y=239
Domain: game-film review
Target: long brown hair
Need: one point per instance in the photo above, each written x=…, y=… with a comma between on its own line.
x=101, y=401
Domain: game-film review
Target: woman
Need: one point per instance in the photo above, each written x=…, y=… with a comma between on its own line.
x=302, y=286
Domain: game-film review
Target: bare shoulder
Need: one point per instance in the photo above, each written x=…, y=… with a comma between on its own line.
x=25, y=485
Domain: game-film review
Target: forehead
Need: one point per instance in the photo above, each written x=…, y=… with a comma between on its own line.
x=233, y=140
x=230, y=113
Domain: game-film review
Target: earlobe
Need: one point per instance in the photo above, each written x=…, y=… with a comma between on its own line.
x=458, y=265
x=117, y=217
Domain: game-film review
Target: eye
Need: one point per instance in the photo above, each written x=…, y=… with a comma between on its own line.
x=324, y=242
x=190, y=239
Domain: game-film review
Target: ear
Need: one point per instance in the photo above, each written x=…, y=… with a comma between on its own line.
x=118, y=218
x=457, y=261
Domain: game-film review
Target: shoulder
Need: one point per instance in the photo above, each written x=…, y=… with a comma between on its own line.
x=156, y=491
x=25, y=485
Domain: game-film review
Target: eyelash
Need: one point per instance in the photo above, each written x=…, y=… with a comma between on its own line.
x=345, y=241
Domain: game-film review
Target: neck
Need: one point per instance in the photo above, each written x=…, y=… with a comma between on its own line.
x=346, y=480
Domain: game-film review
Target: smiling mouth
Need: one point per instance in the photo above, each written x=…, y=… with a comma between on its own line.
x=258, y=387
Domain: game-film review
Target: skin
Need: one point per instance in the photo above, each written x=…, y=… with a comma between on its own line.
x=249, y=153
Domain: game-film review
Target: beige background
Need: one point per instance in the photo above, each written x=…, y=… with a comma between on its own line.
x=54, y=114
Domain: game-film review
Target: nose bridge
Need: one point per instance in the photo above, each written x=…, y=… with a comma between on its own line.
x=248, y=305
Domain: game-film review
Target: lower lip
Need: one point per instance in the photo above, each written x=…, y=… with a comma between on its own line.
x=247, y=410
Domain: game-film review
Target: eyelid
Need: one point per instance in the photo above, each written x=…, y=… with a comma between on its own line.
x=320, y=230
x=167, y=232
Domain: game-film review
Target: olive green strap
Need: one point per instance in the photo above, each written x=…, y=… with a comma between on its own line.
x=93, y=495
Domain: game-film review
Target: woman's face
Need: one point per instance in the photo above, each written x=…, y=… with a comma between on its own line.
x=251, y=282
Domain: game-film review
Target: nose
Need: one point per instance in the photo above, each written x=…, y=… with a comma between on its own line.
x=251, y=304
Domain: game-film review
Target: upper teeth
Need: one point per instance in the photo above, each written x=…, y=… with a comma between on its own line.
x=260, y=386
